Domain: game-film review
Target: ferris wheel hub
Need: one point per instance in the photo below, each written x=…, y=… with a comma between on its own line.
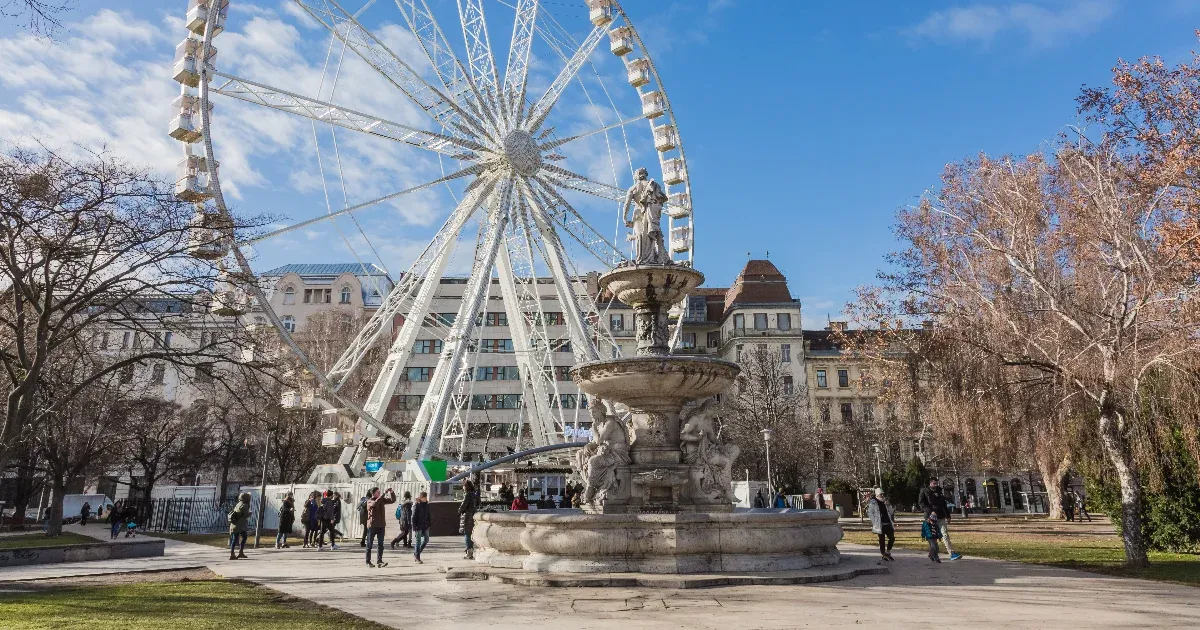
x=522, y=153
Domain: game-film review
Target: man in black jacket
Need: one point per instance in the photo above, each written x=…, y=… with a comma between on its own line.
x=421, y=522
x=932, y=501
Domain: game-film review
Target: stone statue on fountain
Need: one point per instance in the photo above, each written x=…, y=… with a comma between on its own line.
x=597, y=462
x=710, y=460
x=646, y=196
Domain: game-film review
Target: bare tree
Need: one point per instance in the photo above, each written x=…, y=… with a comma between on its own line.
x=41, y=17
x=90, y=244
x=764, y=398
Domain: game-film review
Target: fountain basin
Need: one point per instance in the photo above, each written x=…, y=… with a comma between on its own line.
x=651, y=284
x=690, y=542
x=655, y=383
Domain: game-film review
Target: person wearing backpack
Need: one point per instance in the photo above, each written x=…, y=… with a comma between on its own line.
x=421, y=522
x=404, y=515
x=239, y=518
x=931, y=533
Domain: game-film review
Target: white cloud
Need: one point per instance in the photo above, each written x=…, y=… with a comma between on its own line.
x=1043, y=26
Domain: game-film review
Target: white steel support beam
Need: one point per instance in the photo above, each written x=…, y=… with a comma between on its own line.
x=409, y=283
x=517, y=72
x=480, y=62
x=321, y=111
x=401, y=351
x=438, y=105
x=427, y=430
x=582, y=342
x=541, y=109
x=570, y=221
x=531, y=363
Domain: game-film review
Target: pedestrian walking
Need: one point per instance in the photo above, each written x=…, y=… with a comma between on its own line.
x=85, y=513
x=404, y=515
x=466, y=517
x=883, y=522
x=362, y=516
x=239, y=519
x=377, y=523
x=1081, y=506
x=421, y=521
x=780, y=500
x=759, y=500
x=1068, y=505
x=932, y=502
x=325, y=516
x=520, y=503
x=312, y=523
x=287, y=517
x=115, y=520
x=931, y=531
x=820, y=498
x=337, y=513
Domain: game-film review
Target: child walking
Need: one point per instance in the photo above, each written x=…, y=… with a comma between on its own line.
x=930, y=532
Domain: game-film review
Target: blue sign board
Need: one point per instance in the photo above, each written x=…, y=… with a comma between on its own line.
x=374, y=466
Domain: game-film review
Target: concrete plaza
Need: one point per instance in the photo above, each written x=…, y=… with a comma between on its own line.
x=968, y=593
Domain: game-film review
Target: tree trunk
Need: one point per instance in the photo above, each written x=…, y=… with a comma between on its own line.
x=58, y=492
x=1053, y=476
x=1131, y=486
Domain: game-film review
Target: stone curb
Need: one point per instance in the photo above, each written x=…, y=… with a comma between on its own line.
x=671, y=581
x=84, y=552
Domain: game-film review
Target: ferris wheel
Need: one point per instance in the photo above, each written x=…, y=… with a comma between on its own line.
x=517, y=167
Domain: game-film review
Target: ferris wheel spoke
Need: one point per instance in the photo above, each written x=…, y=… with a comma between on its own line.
x=474, y=169
x=541, y=109
x=480, y=62
x=442, y=108
x=571, y=222
x=561, y=141
x=412, y=295
x=517, y=71
x=577, y=182
x=329, y=113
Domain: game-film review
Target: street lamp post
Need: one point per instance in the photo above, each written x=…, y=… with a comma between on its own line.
x=878, y=474
x=766, y=433
x=262, y=493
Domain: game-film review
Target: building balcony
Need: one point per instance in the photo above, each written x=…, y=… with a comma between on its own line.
x=735, y=333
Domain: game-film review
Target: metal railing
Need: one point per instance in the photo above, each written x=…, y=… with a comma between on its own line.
x=188, y=516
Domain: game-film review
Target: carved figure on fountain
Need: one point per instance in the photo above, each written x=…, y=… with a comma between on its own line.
x=599, y=460
x=711, y=461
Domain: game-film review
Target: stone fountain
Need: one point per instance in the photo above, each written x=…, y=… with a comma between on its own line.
x=658, y=495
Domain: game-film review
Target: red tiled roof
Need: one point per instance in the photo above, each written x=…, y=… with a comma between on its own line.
x=759, y=282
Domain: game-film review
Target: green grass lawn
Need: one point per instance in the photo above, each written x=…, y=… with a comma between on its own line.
x=1101, y=554
x=216, y=604
x=25, y=541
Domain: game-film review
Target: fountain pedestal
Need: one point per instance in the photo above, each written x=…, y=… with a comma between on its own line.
x=659, y=494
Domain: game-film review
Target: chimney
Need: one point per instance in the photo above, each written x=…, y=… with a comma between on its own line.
x=836, y=326
x=927, y=325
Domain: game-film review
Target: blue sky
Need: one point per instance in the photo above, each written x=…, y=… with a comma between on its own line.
x=807, y=125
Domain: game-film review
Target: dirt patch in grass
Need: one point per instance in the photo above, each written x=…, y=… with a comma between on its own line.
x=181, y=600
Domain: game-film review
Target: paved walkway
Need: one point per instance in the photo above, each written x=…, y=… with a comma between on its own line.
x=967, y=593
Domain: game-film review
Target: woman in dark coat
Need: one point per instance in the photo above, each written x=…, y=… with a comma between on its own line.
x=310, y=520
x=287, y=516
x=466, y=517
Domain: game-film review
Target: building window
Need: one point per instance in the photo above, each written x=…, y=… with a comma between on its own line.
x=158, y=373
x=428, y=346
x=446, y=319
x=496, y=319
x=739, y=321
x=126, y=374
x=345, y=295
x=562, y=373
x=738, y=352
x=714, y=339
x=167, y=338
x=616, y=322
x=550, y=318
x=760, y=321
x=497, y=373
x=496, y=401
x=847, y=413
x=825, y=412
x=564, y=401
x=689, y=341
x=784, y=321
x=125, y=340
x=560, y=345
x=204, y=373
x=785, y=353
x=822, y=381
x=788, y=386
x=826, y=452
x=289, y=295
x=418, y=374
x=868, y=412
x=308, y=296
x=137, y=340
x=497, y=345
x=289, y=323
x=843, y=378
